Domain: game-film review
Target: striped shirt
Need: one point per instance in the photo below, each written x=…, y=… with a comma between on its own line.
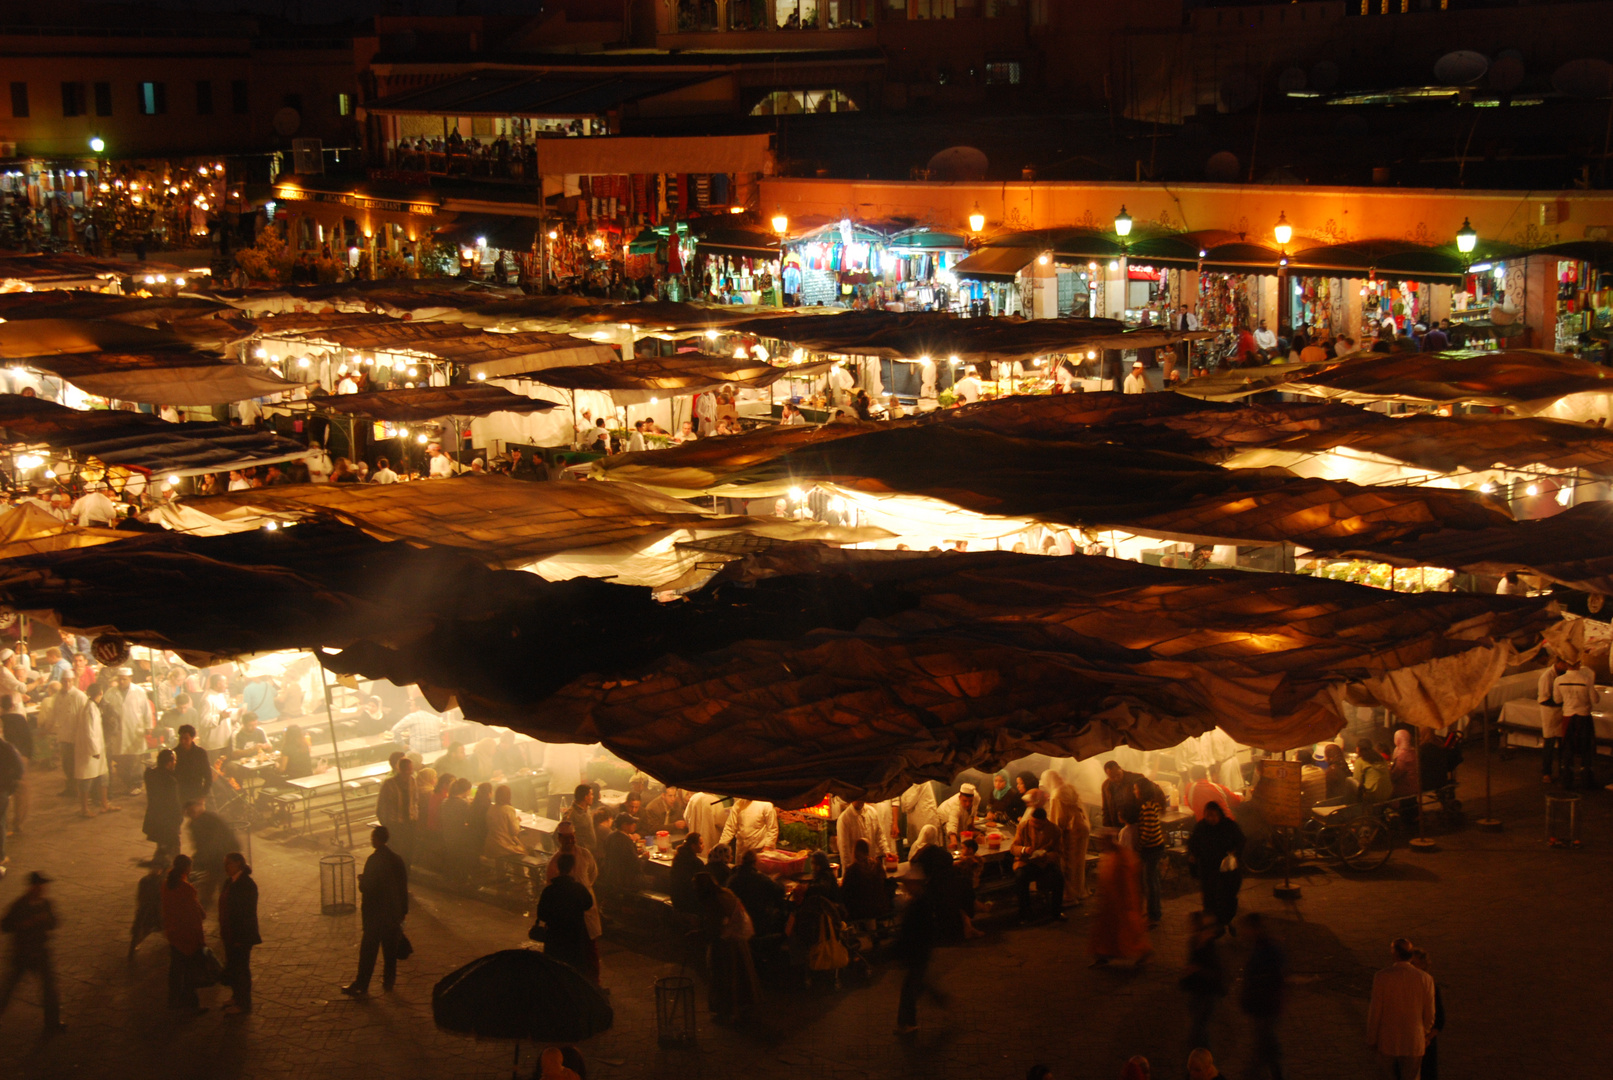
x=1150, y=833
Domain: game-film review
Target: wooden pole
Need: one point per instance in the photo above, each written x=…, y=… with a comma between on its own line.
x=335, y=754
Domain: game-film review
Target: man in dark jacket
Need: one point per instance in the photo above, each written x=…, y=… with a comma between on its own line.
x=29, y=921
x=561, y=908
x=915, y=943
x=762, y=896
x=385, y=885
x=1119, y=795
x=164, y=811
x=191, y=767
x=238, y=929
x=211, y=839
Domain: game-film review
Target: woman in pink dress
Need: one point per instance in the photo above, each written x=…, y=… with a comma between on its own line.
x=1118, y=929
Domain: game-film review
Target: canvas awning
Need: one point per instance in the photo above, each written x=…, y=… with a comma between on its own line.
x=28, y=529
x=996, y=263
x=139, y=440
x=481, y=352
x=635, y=382
x=856, y=673
x=433, y=402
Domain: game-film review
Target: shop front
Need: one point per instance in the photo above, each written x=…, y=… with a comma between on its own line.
x=920, y=270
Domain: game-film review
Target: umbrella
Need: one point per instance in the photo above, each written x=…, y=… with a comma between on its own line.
x=520, y=994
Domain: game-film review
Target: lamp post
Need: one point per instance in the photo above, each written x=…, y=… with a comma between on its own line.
x=977, y=221
x=1466, y=241
x=1123, y=230
x=1283, y=232
x=781, y=226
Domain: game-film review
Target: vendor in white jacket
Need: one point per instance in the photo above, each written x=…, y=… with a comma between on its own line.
x=959, y=813
x=753, y=824
x=705, y=814
x=1551, y=720
x=860, y=821
x=1575, y=690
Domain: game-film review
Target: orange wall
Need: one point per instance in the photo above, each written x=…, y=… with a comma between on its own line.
x=1318, y=214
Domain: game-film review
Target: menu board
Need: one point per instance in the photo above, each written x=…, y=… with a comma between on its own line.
x=1278, y=793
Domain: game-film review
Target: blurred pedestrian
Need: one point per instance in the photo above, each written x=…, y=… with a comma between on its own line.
x=562, y=909
x=182, y=917
x=163, y=809
x=727, y=929
x=1401, y=1014
x=1118, y=930
x=385, y=904
x=1204, y=981
x=211, y=839
x=1215, y=857
x=1265, y=976
x=29, y=920
x=238, y=930
x=915, y=944
x=148, y=904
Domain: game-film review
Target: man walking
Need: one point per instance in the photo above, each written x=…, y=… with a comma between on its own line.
x=238, y=930
x=29, y=921
x=191, y=768
x=1575, y=690
x=385, y=904
x=134, y=722
x=915, y=944
x=1265, y=975
x=1401, y=1015
x=563, y=909
x=211, y=841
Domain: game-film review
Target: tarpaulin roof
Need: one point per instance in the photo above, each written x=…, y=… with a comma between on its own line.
x=140, y=440
x=431, y=402
x=1526, y=380
x=636, y=381
x=1574, y=547
x=84, y=304
x=749, y=243
x=902, y=336
x=26, y=529
x=62, y=270
x=1212, y=431
x=503, y=521
x=294, y=322
x=410, y=297
x=995, y=263
x=132, y=363
x=856, y=673
x=1081, y=484
x=481, y=351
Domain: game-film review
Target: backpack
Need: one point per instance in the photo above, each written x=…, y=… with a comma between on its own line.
x=10, y=768
x=829, y=954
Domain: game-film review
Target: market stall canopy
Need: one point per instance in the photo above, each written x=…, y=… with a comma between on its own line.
x=1065, y=482
x=433, y=402
x=502, y=521
x=26, y=528
x=636, y=382
x=65, y=271
x=815, y=670
x=131, y=363
x=1395, y=259
x=416, y=298
x=149, y=311
x=1524, y=380
x=139, y=440
x=995, y=263
x=941, y=336
x=480, y=352
x=1573, y=548
x=739, y=243
x=1235, y=433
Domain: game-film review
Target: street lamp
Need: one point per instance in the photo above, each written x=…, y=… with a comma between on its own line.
x=1123, y=230
x=98, y=144
x=1466, y=238
x=1283, y=231
x=781, y=225
x=1122, y=223
x=977, y=220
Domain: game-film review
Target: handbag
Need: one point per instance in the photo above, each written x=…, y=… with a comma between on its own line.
x=1229, y=863
x=405, y=947
x=829, y=954
x=205, y=969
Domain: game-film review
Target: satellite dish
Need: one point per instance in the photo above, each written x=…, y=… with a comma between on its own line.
x=287, y=121
x=1292, y=80
x=1460, y=68
x=1223, y=168
x=1507, y=73
x=1584, y=78
x=1239, y=90
x=958, y=163
x=1324, y=76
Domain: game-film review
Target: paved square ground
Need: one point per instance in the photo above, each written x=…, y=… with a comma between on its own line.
x=1519, y=935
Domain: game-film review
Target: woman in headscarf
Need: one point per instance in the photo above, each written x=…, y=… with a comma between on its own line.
x=929, y=836
x=1118, y=929
x=1065, y=810
x=1214, y=838
x=1003, y=804
x=728, y=930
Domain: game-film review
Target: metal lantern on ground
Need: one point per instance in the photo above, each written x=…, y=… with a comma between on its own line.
x=675, y=1011
x=338, y=885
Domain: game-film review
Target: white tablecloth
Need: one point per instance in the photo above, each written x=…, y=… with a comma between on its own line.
x=1525, y=713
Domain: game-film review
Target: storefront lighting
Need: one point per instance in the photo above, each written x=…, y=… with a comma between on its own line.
x=798, y=355
x=97, y=143
x=481, y=241
x=781, y=224
x=977, y=220
x=151, y=279
x=106, y=188
x=1532, y=489
x=1487, y=487
x=655, y=401
x=1043, y=259
x=50, y=474
x=481, y=376
x=797, y=495
x=711, y=335
x=1466, y=238
x=260, y=352
x=413, y=372
x=736, y=209
x=202, y=171
x=270, y=526
x=179, y=281
x=554, y=235
x=29, y=461
x=955, y=360
x=1283, y=231
x=1092, y=355
x=162, y=279
x=1284, y=262
x=1122, y=223
x=1114, y=264
x=1203, y=253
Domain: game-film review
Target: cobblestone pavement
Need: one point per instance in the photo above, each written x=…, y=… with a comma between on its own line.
x=1517, y=932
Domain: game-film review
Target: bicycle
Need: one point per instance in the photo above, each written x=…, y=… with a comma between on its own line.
x=1356, y=835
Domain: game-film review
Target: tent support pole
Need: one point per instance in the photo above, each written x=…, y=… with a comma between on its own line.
x=335, y=753
x=1489, y=822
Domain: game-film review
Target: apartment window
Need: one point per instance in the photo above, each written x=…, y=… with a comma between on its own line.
x=238, y=99
x=103, y=99
x=1002, y=74
x=72, y=99
x=153, y=98
x=344, y=105
x=19, y=99
x=204, y=98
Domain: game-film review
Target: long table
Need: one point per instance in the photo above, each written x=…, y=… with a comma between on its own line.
x=1522, y=721
x=327, y=782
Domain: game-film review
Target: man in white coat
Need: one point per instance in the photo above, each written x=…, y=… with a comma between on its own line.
x=705, y=815
x=585, y=872
x=859, y=821
x=1551, y=720
x=918, y=803
x=1575, y=690
x=80, y=718
x=959, y=813
x=136, y=719
x=752, y=825
x=1401, y=1015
